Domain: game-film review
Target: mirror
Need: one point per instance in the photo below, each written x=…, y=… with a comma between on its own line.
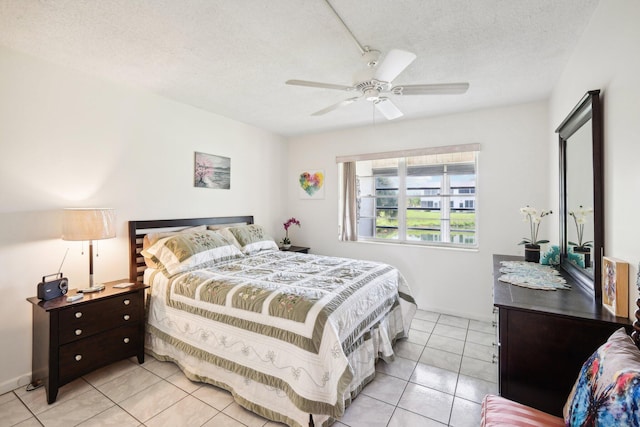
x=581, y=193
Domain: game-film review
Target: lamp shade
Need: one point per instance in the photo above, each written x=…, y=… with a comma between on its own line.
x=88, y=224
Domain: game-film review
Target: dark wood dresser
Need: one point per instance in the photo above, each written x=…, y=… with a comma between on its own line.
x=544, y=337
x=71, y=339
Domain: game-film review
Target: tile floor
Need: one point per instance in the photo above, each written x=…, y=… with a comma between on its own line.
x=439, y=378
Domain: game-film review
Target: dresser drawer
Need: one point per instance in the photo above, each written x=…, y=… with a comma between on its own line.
x=85, y=355
x=80, y=321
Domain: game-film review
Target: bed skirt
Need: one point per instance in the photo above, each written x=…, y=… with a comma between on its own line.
x=274, y=403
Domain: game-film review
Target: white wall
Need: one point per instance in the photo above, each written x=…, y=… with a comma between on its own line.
x=606, y=58
x=70, y=140
x=513, y=172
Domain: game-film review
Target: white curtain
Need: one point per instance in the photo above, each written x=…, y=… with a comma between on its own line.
x=349, y=213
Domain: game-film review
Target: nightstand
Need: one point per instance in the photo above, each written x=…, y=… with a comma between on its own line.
x=300, y=249
x=71, y=339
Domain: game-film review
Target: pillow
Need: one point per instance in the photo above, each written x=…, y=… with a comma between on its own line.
x=608, y=387
x=253, y=239
x=151, y=238
x=189, y=251
x=229, y=236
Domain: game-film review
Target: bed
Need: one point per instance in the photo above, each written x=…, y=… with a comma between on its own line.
x=294, y=337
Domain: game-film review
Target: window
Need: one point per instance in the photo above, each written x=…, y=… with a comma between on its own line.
x=418, y=196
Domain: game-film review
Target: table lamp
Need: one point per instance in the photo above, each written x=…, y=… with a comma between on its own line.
x=89, y=224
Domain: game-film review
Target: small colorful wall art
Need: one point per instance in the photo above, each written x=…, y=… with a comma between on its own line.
x=212, y=171
x=311, y=184
x=615, y=275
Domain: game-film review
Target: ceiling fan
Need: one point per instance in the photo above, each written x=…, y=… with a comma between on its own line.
x=376, y=81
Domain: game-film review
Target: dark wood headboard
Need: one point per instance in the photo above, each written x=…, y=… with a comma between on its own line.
x=138, y=229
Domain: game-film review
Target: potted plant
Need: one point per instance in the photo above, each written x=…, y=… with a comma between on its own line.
x=286, y=243
x=532, y=244
x=582, y=247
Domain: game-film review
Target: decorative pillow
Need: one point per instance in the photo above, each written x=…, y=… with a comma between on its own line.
x=607, y=390
x=151, y=238
x=253, y=239
x=229, y=236
x=189, y=251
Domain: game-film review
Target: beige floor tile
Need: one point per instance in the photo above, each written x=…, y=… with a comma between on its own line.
x=178, y=379
x=223, y=420
x=31, y=422
x=366, y=411
x=214, y=396
x=13, y=411
x=444, y=343
x=7, y=397
x=435, y=378
x=474, y=389
x=36, y=400
x=110, y=372
x=161, y=369
x=187, y=412
x=247, y=418
x=124, y=386
x=74, y=411
x=385, y=388
x=153, y=400
x=404, y=418
x=450, y=331
x=458, y=322
x=427, y=402
x=441, y=359
x=408, y=350
x=400, y=367
x=114, y=416
x=479, y=369
x=465, y=413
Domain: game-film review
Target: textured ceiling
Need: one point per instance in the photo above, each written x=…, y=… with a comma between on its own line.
x=232, y=57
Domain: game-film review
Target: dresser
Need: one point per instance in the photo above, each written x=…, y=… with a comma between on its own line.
x=544, y=337
x=71, y=339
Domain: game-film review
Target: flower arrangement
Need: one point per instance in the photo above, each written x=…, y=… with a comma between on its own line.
x=580, y=219
x=534, y=219
x=289, y=223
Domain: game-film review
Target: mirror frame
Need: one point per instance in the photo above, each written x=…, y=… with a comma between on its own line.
x=587, y=111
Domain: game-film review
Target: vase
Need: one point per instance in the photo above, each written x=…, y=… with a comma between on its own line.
x=532, y=253
x=287, y=246
x=586, y=254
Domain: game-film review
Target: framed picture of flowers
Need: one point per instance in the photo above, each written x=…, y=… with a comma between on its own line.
x=615, y=294
x=210, y=171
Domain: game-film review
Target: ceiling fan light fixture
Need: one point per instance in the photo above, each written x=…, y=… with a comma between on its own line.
x=371, y=94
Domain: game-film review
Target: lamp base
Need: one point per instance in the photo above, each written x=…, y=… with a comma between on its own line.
x=96, y=288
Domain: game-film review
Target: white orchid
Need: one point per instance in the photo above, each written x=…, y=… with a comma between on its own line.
x=534, y=219
x=580, y=218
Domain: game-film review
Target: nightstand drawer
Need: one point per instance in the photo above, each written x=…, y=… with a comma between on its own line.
x=83, y=356
x=84, y=320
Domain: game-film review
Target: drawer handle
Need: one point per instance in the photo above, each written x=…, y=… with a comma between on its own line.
x=127, y=302
x=126, y=340
x=78, y=331
x=78, y=315
x=126, y=317
x=78, y=357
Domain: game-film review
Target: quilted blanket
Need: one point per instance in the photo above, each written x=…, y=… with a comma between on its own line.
x=285, y=320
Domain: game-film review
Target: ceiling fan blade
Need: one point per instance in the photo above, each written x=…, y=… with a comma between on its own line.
x=388, y=108
x=434, y=89
x=318, y=84
x=393, y=64
x=335, y=106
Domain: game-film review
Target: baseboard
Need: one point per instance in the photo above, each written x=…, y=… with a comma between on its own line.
x=15, y=383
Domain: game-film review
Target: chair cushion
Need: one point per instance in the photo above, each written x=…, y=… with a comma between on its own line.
x=499, y=412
